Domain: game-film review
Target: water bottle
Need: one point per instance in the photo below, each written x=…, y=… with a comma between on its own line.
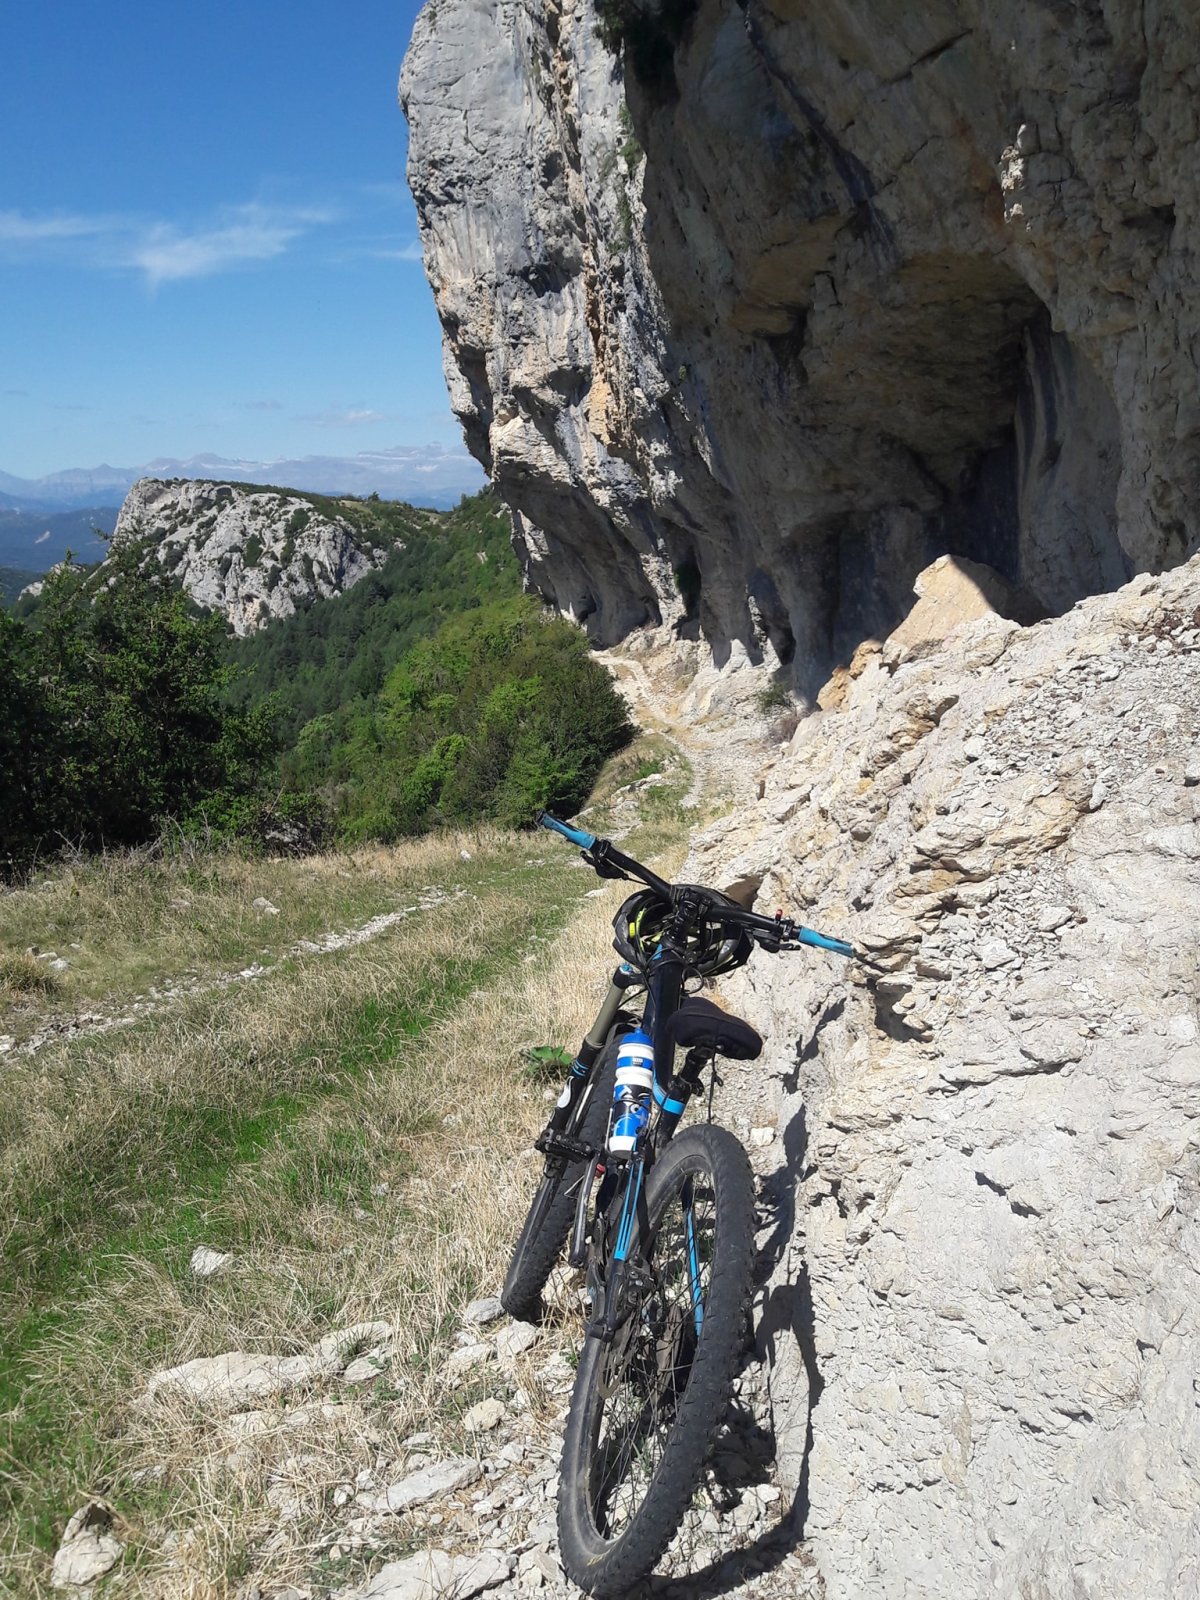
x=631, y=1096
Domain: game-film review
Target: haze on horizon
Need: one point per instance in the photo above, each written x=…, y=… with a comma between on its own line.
x=207, y=246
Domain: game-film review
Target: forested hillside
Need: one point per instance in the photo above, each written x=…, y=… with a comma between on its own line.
x=33, y=541
x=431, y=692
x=12, y=581
x=340, y=650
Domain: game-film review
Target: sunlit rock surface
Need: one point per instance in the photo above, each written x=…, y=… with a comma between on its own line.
x=253, y=554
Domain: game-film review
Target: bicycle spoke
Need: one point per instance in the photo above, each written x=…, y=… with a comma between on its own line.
x=646, y=1370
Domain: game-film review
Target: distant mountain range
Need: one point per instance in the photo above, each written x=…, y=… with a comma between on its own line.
x=423, y=475
x=34, y=541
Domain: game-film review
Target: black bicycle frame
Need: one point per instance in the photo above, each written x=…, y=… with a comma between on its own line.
x=664, y=980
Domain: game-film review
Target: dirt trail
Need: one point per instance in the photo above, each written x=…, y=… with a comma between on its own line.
x=86, y=1024
x=725, y=747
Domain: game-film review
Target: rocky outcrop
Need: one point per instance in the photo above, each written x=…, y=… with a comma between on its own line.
x=981, y=1255
x=752, y=330
x=253, y=554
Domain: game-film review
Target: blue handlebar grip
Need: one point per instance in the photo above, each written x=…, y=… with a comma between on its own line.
x=585, y=841
x=820, y=942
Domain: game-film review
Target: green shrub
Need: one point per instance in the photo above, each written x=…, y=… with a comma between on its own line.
x=113, y=718
x=501, y=711
x=775, y=697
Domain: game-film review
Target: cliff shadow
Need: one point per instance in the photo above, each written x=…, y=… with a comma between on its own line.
x=748, y=1447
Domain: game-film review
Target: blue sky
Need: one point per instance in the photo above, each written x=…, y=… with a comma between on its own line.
x=206, y=241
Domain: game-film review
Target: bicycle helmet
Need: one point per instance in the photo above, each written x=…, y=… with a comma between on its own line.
x=642, y=920
x=639, y=926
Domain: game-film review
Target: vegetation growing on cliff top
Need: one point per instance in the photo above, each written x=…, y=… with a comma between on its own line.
x=339, y=651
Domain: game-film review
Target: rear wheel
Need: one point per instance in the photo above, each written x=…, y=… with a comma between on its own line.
x=647, y=1407
x=541, y=1239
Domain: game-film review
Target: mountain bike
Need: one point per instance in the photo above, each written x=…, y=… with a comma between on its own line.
x=662, y=1222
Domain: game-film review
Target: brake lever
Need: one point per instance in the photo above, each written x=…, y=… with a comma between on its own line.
x=597, y=859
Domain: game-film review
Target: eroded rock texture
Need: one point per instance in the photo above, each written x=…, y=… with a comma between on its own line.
x=253, y=554
x=982, y=1248
x=825, y=291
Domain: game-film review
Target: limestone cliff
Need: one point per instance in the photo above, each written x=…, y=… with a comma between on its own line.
x=251, y=553
x=752, y=327
x=752, y=321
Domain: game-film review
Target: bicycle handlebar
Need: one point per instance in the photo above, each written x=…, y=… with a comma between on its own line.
x=775, y=933
x=585, y=841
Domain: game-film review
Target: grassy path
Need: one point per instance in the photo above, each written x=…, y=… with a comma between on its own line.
x=347, y=1128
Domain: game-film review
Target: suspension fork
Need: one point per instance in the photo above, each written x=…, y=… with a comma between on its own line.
x=553, y=1140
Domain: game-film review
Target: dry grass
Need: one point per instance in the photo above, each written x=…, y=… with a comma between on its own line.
x=22, y=974
x=129, y=920
x=356, y=1130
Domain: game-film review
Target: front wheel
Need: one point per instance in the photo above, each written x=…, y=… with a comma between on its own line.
x=540, y=1241
x=647, y=1407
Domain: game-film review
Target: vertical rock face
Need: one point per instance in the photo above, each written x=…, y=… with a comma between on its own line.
x=811, y=297
x=751, y=330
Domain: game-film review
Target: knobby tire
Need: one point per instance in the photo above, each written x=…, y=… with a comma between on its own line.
x=647, y=1408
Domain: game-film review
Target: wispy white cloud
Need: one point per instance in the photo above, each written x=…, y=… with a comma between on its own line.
x=406, y=252
x=18, y=229
x=344, y=417
x=163, y=252
x=167, y=253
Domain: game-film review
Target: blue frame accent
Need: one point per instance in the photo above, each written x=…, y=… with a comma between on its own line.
x=578, y=836
x=820, y=941
x=694, y=1267
x=628, y=1213
x=675, y=1107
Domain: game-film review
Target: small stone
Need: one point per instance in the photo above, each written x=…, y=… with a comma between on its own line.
x=483, y=1311
x=1191, y=773
x=760, y=1137
x=7, y=1043
x=88, y=1550
x=431, y=1574
x=485, y=1416
x=1098, y=795
x=471, y=1355
x=444, y=1477
x=464, y=855
x=264, y=905
x=206, y=1263
x=995, y=953
x=515, y=1340
x=1051, y=917
x=366, y=1368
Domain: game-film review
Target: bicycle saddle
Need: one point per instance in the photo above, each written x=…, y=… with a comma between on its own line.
x=699, y=1022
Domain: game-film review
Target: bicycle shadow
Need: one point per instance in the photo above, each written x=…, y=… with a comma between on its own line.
x=748, y=1448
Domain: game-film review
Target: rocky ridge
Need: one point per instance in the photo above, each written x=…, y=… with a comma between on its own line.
x=752, y=319
x=252, y=554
